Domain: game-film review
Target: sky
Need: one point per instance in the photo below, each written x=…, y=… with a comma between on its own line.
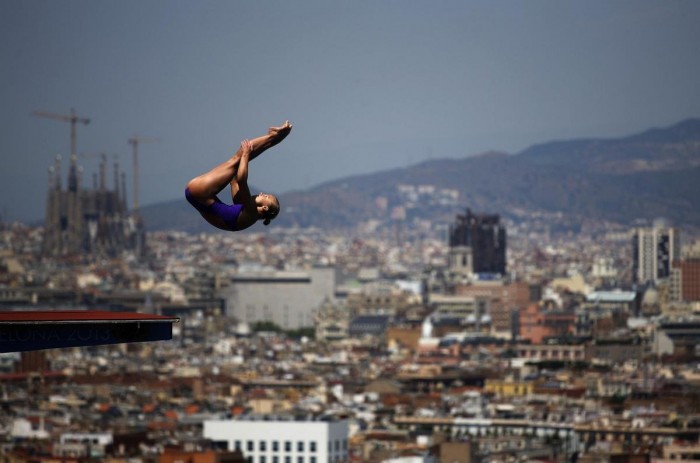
x=368, y=85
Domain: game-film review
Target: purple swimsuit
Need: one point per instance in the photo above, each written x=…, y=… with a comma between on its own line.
x=228, y=214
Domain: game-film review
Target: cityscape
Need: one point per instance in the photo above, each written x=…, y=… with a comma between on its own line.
x=480, y=339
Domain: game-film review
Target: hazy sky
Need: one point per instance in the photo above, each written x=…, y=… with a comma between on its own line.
x=368, y=85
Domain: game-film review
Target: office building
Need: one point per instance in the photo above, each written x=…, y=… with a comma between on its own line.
x=654, y=250
x=685, y=280
x=477, y=244
x=282, y=439
x=290, y=299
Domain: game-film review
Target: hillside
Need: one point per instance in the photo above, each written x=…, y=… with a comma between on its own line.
x=647, y=175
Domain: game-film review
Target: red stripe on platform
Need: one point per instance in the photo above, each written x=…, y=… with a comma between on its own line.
x=78, y=316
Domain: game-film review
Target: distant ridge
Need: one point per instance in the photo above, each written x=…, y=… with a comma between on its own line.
x=655, y=173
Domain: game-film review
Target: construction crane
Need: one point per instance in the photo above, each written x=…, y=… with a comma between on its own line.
x=134, y=142
x=73, y=119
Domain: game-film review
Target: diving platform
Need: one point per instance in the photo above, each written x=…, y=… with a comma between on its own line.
x=22, y=331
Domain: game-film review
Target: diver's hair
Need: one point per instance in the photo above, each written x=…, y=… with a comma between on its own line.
x=270, y=214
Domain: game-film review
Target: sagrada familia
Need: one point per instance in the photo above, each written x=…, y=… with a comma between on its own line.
x=90, y=221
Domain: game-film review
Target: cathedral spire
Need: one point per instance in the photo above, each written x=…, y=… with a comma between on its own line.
x=57, y=172
x=73, y=173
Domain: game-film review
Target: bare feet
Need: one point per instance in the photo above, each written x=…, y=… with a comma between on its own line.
x=258, y=145
x=277, y=134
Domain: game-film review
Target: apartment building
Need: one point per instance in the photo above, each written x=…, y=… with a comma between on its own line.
x=282, y=439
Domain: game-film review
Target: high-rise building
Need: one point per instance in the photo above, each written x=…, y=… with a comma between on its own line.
x=654, y=249
x=478, y=244
x=89, y=221
x=685, y=280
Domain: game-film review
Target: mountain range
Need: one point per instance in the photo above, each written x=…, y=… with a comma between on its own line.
x=648, y=175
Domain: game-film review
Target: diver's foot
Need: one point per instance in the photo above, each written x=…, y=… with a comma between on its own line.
x=277, y=134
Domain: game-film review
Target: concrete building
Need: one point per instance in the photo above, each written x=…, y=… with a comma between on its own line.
x=615, y=351
x=282, y=439
x=678, y=338
x=557, y=352
x=685, y=280
x=609, y=302
x=462, y=307
x=404, y=336
x=82, y=445
x=537, y=324
x=477, y=245
x=289, y=299
x=369, y=325
x=654, y=250
x=331, y=322
x=503, y=299
x=509, y=387
x=379, y=298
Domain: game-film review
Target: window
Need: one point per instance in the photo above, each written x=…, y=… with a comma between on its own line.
x=262, y=459
x=312, y=446
x=249, y=445
x=300, y=459
x=262, y=446
x=237, y=445
x=287, y=446
x=275, y=459
x=345, y=444
x=287, y=459
x=300, y=446
x=312, y=460
x=275, y=446
x=337, y=446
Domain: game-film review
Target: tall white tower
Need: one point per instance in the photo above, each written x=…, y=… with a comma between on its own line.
x=654, y=249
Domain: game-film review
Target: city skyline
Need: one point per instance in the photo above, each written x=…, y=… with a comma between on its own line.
x=553, y=363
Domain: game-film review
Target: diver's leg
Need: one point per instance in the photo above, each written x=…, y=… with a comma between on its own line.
x=205, y=187
x=260, y=144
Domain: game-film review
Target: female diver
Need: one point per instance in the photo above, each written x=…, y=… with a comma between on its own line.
x=201, y=192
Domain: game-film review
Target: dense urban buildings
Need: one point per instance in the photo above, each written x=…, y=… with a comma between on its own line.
x=316, y=346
